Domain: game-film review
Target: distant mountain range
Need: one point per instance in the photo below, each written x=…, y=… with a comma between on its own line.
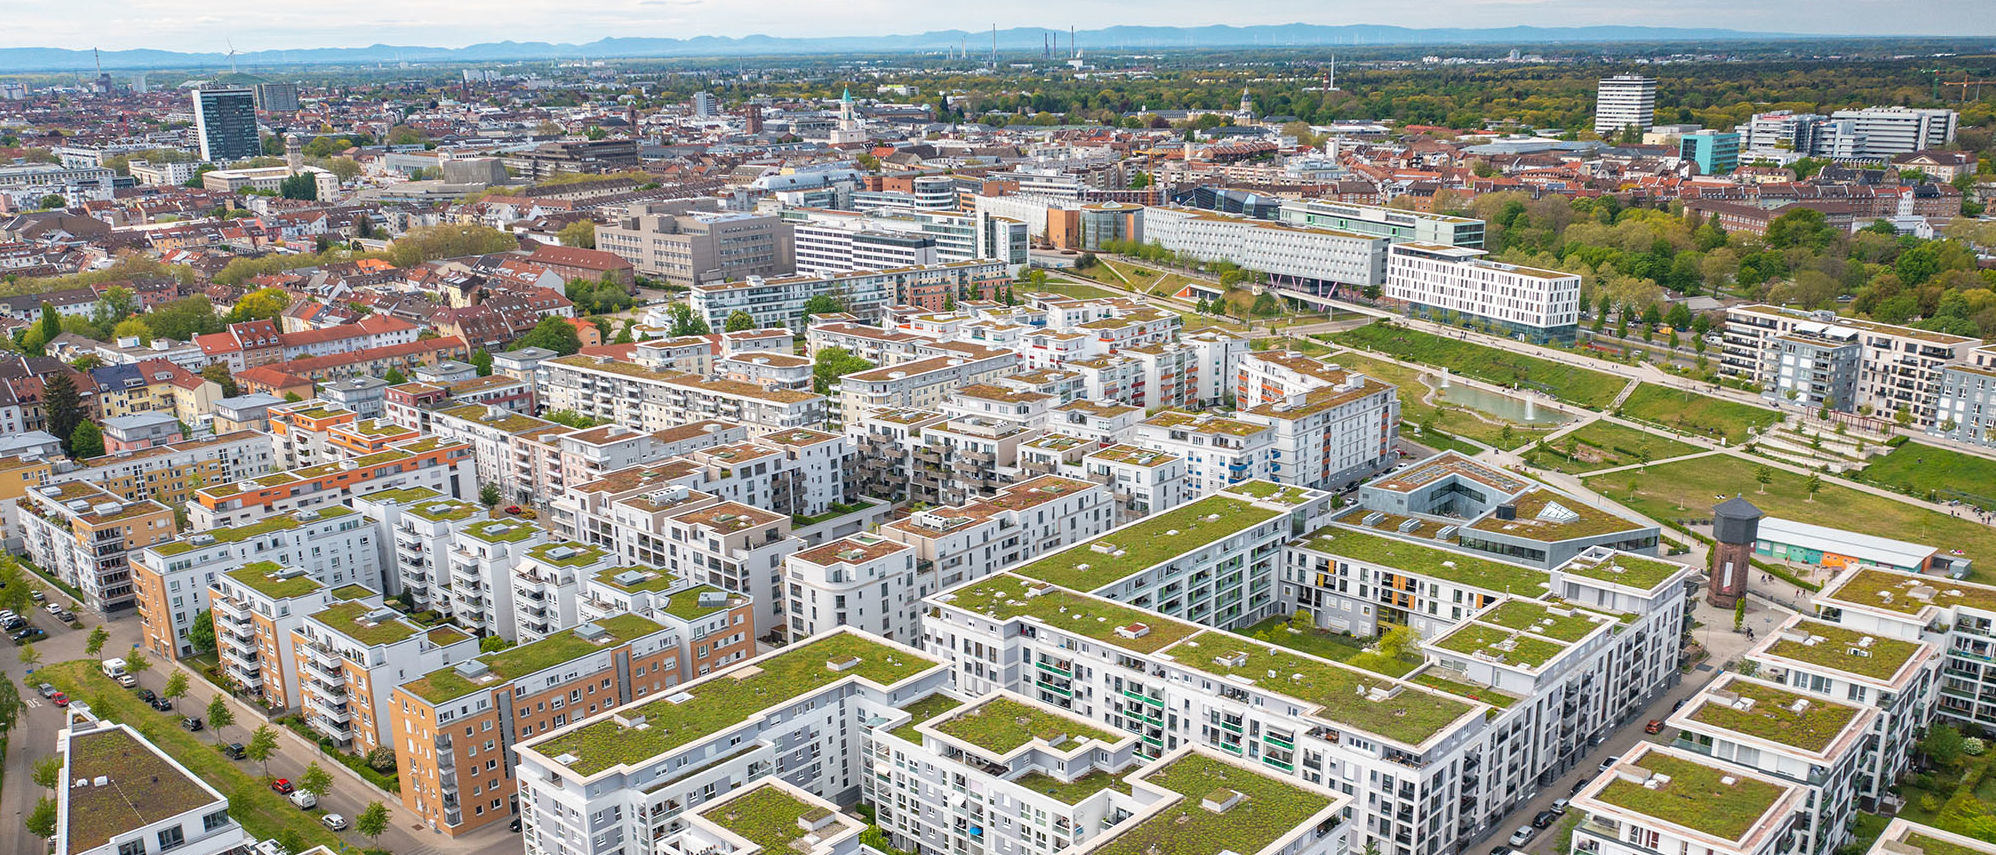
x=979, y=43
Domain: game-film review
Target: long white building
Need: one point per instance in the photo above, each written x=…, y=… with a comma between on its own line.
x=1523, y=302
x=1308, y=255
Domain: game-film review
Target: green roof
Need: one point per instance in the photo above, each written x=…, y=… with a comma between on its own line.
x=238, y=534
x=1543, y=618
x=1148, y=543
x=1881, y=657
x=144, y=788
x=445, y=684
x=728, y=699
x=1584, y=521
x=1773, y=716
x=427, y=504
x=1623, y=568
x=1004, y=597
x=1894, y=592
x=346, y=617
x=1269, y=491
x=1410, y=715
x=923, y=710
x=655, y=579
x=1417, y=559
x=405, y=495
x=258, y=577
x=1480, y=694
x=1508, y=646
x=1076, y=791
x=1929, y=845
x=1269, y=808
x=352, y=592
x=447, y=635
x=1002, y=725
x=502, y=531
x=765, y=816
x=582, y=553
x=1695, y=797
x=685, y=605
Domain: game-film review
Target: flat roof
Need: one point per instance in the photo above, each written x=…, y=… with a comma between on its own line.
x=1868, y=548
x=143, y=786
x=511, y=664
x=1841, y=649
x=1268, y=809
x=1906, y=594
x=1450, y=463
x=1805, y=722
x=1148, y=542
x=1716, y=799
x=1342, y=695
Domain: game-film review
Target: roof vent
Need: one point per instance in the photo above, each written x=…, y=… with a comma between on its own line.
x=472, y=669
x=591, y=632
x=630, y=577
x=713, y=599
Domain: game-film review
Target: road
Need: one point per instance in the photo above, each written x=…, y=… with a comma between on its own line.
x=34, y=738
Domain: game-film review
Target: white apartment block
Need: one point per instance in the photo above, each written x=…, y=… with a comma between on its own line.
x=1218, y=451
x=1953, y=616
x=86, y=536
x=1098, y=421
x=351, y=656
x=954, y=545
x=547, y=586
x=1622, y=101
x=1393, y=224
x=1140, y=480
x=416, y=527
x=923, y=383
x=1966, y=407
x=864, y=581
x=335, y=546
x=1657, y=799
x=1891, y=367
x=877, y=345
x=648, y=399
x=437, y=464
x=122, y=795
x=779, y=302
x=713, y=629
x=479, y=565
x=1529, y=303
x=1308, y=255
x=1875, y=133
x=503, y=444
x=884, y=442
x=825, y=249
x=1332, y=427
x=255, y=608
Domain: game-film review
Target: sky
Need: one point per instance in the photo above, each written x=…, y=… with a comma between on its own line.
x=211, y=25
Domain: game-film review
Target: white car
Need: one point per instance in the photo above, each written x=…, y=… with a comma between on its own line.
x=304, y=799
x=1523, y=835
x=334, y=821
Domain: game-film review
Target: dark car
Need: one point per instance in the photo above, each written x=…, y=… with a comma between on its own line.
x=514, y=826
x=1545, y=819
x=163, y=704
x=235, y=751
x=283, y=786
x=146, y=695
x=191, y=723
x=65, y=616
x=23, y=636
x=14, y=623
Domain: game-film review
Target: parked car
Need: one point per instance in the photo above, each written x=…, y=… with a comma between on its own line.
x=38, y=596
x=191, y=723
x=513, y=509
x=146, y=695
x=60, y=699
x=47, y=690
x=1503, y=850
x=51, y=608
x=27, y=634
x=304, y=800
x=65, y=616
x=282, y=786
x=127, y=680
x=1523, y=835
x=1610, y=762
x=1559, y=806
x=1544, y=819
x=514, y=826
x=334, y=821
x=235, y=751
x=163, y=704
x=13, y=623
x=1655, y=726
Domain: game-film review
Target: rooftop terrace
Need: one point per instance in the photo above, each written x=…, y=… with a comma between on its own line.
x=505, y=666
x=1002, y=725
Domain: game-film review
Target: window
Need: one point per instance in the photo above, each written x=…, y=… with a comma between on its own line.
x=170, y=838
x=215, y=820
x=132, y=847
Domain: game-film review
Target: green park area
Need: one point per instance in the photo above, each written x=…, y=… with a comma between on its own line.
x=1077, y=290
x=1417, y=411
x=1693, y=413
x=1687, y=489
x=1585, y=387
x=1936, y=474
x=1602, y=444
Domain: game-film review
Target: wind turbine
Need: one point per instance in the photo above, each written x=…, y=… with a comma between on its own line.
x=232, y=55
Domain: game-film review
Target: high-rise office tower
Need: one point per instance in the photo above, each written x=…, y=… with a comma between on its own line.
x=225, y=122
x=1624, y=100
x=277, y=97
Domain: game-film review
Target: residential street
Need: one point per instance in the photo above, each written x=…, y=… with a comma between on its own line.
x=34, y=738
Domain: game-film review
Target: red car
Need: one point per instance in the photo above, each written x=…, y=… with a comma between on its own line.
x=60, y=699
x=282, y=786
x=1654, y=726
x=513, y=509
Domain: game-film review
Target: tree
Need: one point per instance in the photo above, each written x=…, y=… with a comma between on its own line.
x=481, y=359
x=488, y=495
x=94, y=647
x=555, y=334
x=86, y=441
x=394, y=377
x=202, y=634
x=53, y=200
x=132, y=328
x=262, y=744
x=493, y=644
x=581, y=233
x=48, y=772
x=822, y=304
x=304, y=186
x=685, y=322
x=136, y=661
x=316, y=780
x=263, y=304
x=41, y=821
x=176, y=686
x=372, y=822
x=30, y=657
x=1903, y=416
x=64, y=406
x=740, y=320
x=1942, y=744
x=220, y=715
x=10, y=704
x=450, y=240
x=831, y=363
x=51, y=324
x=1765, y=475
x=1814, y=485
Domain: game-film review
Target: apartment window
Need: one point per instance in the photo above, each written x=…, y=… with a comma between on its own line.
x=132, y=847
x=170, y=838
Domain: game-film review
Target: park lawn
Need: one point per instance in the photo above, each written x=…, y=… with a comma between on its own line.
x=1077, y=290
x=1945, y=473
x=1591, y=389
x=1693, y=413
x=1602, y=444
x=1135, y=277
x=1453, y=419
x=1698, y=483
x=1304, y=346
x=261, y=811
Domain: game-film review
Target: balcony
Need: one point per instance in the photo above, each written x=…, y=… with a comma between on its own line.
x=333, y=712
x=334, y=730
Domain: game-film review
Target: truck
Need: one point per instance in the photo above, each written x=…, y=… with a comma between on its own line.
x=115, y=669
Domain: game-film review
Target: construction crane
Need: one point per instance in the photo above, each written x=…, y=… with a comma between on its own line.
x=1964, y=83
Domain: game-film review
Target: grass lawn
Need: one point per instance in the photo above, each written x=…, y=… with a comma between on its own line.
x=1329, y=645
x=1591, y=389
x=1926, y=469
x=1603, y=444
x=1076, y=290
x=1452, y=419
x=1691, y=412
x=262, y=812
x=1697, y=483
x=1304, y=346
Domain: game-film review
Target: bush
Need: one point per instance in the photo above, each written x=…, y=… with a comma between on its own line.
x=1973, y=747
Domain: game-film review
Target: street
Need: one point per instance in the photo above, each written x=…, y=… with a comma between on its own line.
x=34, y=738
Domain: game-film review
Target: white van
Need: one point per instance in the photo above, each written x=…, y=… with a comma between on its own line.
x=304, y=799
x=115, y=669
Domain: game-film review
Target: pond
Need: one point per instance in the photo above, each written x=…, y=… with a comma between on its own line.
x=1517, y=410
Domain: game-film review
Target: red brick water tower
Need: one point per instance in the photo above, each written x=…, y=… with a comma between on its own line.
x=1735, y=526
